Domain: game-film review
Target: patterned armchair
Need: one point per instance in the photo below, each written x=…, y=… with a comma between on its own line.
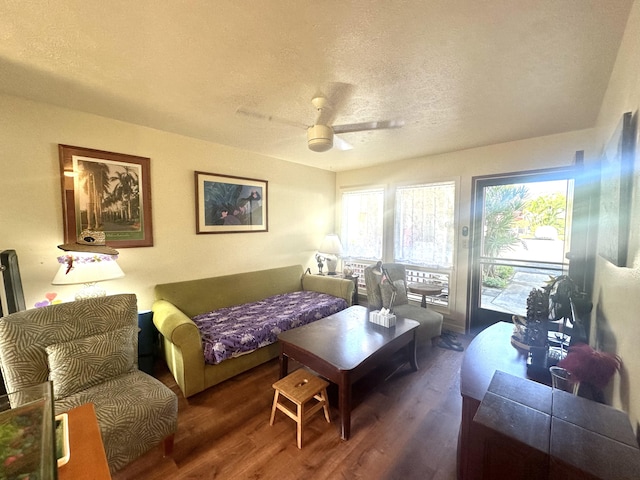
x=379, y=294
x=89, y=349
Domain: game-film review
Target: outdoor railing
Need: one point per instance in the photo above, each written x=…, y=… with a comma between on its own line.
x=414, y=275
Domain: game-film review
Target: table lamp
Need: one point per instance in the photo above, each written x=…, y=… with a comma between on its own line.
x=332, y=248
x=88, y=261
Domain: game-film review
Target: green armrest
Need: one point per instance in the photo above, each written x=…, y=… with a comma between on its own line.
x=338, y=287
x=182, y=346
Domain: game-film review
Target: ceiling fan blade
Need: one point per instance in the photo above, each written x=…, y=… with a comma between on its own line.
x=269, y=118
x=341, y=144
x=359, y=127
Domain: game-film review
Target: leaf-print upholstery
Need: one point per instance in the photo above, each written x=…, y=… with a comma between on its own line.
x=89, y=361
x=135, y=411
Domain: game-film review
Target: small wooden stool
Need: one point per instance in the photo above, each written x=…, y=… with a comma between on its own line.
x=301, y=387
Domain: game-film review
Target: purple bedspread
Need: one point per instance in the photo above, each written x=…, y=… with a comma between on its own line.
x=232, y=331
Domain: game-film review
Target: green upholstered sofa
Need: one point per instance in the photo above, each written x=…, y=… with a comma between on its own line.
x=176, y=303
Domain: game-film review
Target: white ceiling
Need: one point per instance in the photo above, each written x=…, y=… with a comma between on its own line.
x=460, y=73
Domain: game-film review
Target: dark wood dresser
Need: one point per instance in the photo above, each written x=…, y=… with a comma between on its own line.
x=513, y=427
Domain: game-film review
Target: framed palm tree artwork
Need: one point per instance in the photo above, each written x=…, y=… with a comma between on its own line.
x=106, y=191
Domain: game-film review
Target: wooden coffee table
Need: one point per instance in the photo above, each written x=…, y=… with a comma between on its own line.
x=344, y=347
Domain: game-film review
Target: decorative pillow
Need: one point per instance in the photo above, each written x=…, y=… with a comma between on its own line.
x=89, y=361
x=387, y=291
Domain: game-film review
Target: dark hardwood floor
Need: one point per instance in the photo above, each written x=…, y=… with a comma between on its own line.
x=405, y=427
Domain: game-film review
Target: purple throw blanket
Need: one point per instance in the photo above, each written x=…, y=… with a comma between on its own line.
x=232, y=331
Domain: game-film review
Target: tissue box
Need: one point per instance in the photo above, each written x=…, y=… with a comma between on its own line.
x=384, y=319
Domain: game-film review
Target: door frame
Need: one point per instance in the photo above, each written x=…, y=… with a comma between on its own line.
x=476, y=318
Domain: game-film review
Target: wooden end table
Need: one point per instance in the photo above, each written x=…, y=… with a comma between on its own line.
x=344, y=347
x=87, y=458
x=425, y=289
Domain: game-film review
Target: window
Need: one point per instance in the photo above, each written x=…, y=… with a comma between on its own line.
x=423, y=234
x=361, y=234
x=424, y=225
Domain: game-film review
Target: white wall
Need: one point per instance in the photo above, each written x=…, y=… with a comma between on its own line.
x=301, y=209
x=531, y=154
x=617, y=289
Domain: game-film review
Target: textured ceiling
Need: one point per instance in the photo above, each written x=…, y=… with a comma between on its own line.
x=460, y=74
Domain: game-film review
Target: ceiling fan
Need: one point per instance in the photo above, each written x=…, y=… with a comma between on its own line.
x=321, y=136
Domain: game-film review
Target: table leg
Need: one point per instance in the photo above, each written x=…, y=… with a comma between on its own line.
x=284, y=365
x=411, y=352
x=344, y=405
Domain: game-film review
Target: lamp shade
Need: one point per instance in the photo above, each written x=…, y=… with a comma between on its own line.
x=331, y=244
x=86, y=267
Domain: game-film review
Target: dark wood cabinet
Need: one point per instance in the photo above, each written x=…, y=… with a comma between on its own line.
x=491, y=350
x=516, y=428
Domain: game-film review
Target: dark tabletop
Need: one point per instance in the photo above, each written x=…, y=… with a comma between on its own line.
x=347, y=338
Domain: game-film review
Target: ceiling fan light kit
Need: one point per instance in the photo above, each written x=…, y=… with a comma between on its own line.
x=320, y=138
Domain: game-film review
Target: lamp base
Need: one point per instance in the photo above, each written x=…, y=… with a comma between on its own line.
x=90, y=290
x=332, y=264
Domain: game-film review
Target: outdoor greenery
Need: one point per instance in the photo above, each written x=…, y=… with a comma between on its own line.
x=501, y=276
x=510, y=216
x=503, y=205
x=546, y=210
